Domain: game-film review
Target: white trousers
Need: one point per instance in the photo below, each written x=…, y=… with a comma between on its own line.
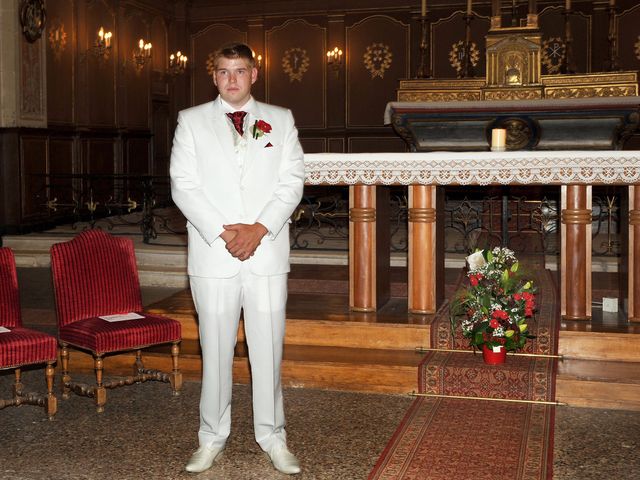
x=218, y=302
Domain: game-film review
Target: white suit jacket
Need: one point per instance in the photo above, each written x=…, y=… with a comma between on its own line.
x=209, y=188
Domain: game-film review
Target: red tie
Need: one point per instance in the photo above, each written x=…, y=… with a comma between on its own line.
x=238, y=120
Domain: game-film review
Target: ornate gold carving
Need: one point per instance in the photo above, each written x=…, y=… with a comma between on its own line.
x=513, y=94
x=57, y=38
x=457, y=53
x=553, y=54
x=591, y=79
x=576, y=216
x=377, y=59
x=438, y=96
x=295, y=63
x=592, y=91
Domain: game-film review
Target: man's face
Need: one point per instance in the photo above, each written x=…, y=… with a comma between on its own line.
x=234, y=77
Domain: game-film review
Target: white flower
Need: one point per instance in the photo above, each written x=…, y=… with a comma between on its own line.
x=476, y=260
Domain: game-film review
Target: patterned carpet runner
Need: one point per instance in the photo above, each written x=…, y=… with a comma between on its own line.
x=445, y=438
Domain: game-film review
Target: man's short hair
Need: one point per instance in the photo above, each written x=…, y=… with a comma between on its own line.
x=234, y=50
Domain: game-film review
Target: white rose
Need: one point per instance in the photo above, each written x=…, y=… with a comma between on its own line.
x=476, y=260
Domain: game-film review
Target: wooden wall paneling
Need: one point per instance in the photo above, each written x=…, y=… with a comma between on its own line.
x=160, y=56
x=295, y=74
x=628, y=46
x=100, y=86
x=135, y=88
x=256, y=41
x=137, y=150
x=377, y=56
x=336, y=145
x=336, y=93
x=447, y=38
x=376, y=144
x=61, y=161
x=161, y=139
x=313, y=145
x=552, y=25
x=33, y=161
x=203, y=44
x=61, y=55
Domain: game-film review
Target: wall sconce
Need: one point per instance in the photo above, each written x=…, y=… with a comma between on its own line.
x=102, y=46
x=177, y=64
x=334, y=59
x=142, y=54
x=258, y=60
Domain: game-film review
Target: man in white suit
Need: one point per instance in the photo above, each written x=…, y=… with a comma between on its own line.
x=237, y=174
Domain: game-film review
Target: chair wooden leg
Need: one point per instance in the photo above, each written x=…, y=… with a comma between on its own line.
x=17, y=385
x=66, y=379
x=100, y=391
x=51, y=405
x=138, y=366
x=176, y=374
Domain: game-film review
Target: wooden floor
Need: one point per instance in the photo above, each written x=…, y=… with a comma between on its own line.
x=327, y=346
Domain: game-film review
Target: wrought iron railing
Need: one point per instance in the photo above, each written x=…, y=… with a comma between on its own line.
x=474, y=217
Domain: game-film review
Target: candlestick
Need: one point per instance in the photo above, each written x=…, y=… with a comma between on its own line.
x=567, y=5
x=469, y=2
x=498, y=140
x=423, y=11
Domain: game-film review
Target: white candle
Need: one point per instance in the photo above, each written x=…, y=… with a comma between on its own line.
x=423, y=12
x=498, y=139
x=469, y=7
x=567, y=5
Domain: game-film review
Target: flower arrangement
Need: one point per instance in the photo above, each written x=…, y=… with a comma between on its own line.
x=493, y=310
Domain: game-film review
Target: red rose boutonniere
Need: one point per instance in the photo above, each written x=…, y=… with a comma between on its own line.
x=260, y=128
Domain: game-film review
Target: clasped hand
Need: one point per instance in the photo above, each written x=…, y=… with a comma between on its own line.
x=242, y=239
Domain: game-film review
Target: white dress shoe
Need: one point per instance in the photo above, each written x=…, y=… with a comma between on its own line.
x=203, y=458
x=283, y=460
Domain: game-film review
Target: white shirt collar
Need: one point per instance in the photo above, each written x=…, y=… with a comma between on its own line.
x=248, y=107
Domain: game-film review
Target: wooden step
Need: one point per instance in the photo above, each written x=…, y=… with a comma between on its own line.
x=599, y=384
x=353, y=369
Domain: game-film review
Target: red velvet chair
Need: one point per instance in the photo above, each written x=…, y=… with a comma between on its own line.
x=21, y=346
x=95, y=275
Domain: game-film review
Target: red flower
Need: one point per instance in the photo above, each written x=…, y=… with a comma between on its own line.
x=475, y=279
x=264, y=126
x=528, y=312
x=500, y=315
x=493, y=323
x=517, y=296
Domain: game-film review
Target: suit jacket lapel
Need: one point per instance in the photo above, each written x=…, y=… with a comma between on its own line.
x=224, y=135
x=255, y=146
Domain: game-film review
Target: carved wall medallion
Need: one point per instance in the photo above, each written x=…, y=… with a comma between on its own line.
x=57, y=38
x=32, y=18
x=553, y=54
x=637, y=48
x=295, y=62
x=377, y=59
x=457, y=54
x=519, y=133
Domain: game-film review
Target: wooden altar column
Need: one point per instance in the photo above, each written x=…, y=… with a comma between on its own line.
x=369, y=257
x=575, y=253
x=633, y=264
x=425, y=263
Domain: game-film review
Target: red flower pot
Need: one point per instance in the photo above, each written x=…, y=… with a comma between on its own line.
x=493, y=358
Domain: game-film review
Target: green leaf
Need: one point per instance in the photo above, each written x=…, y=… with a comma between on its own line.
x=514, y=267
